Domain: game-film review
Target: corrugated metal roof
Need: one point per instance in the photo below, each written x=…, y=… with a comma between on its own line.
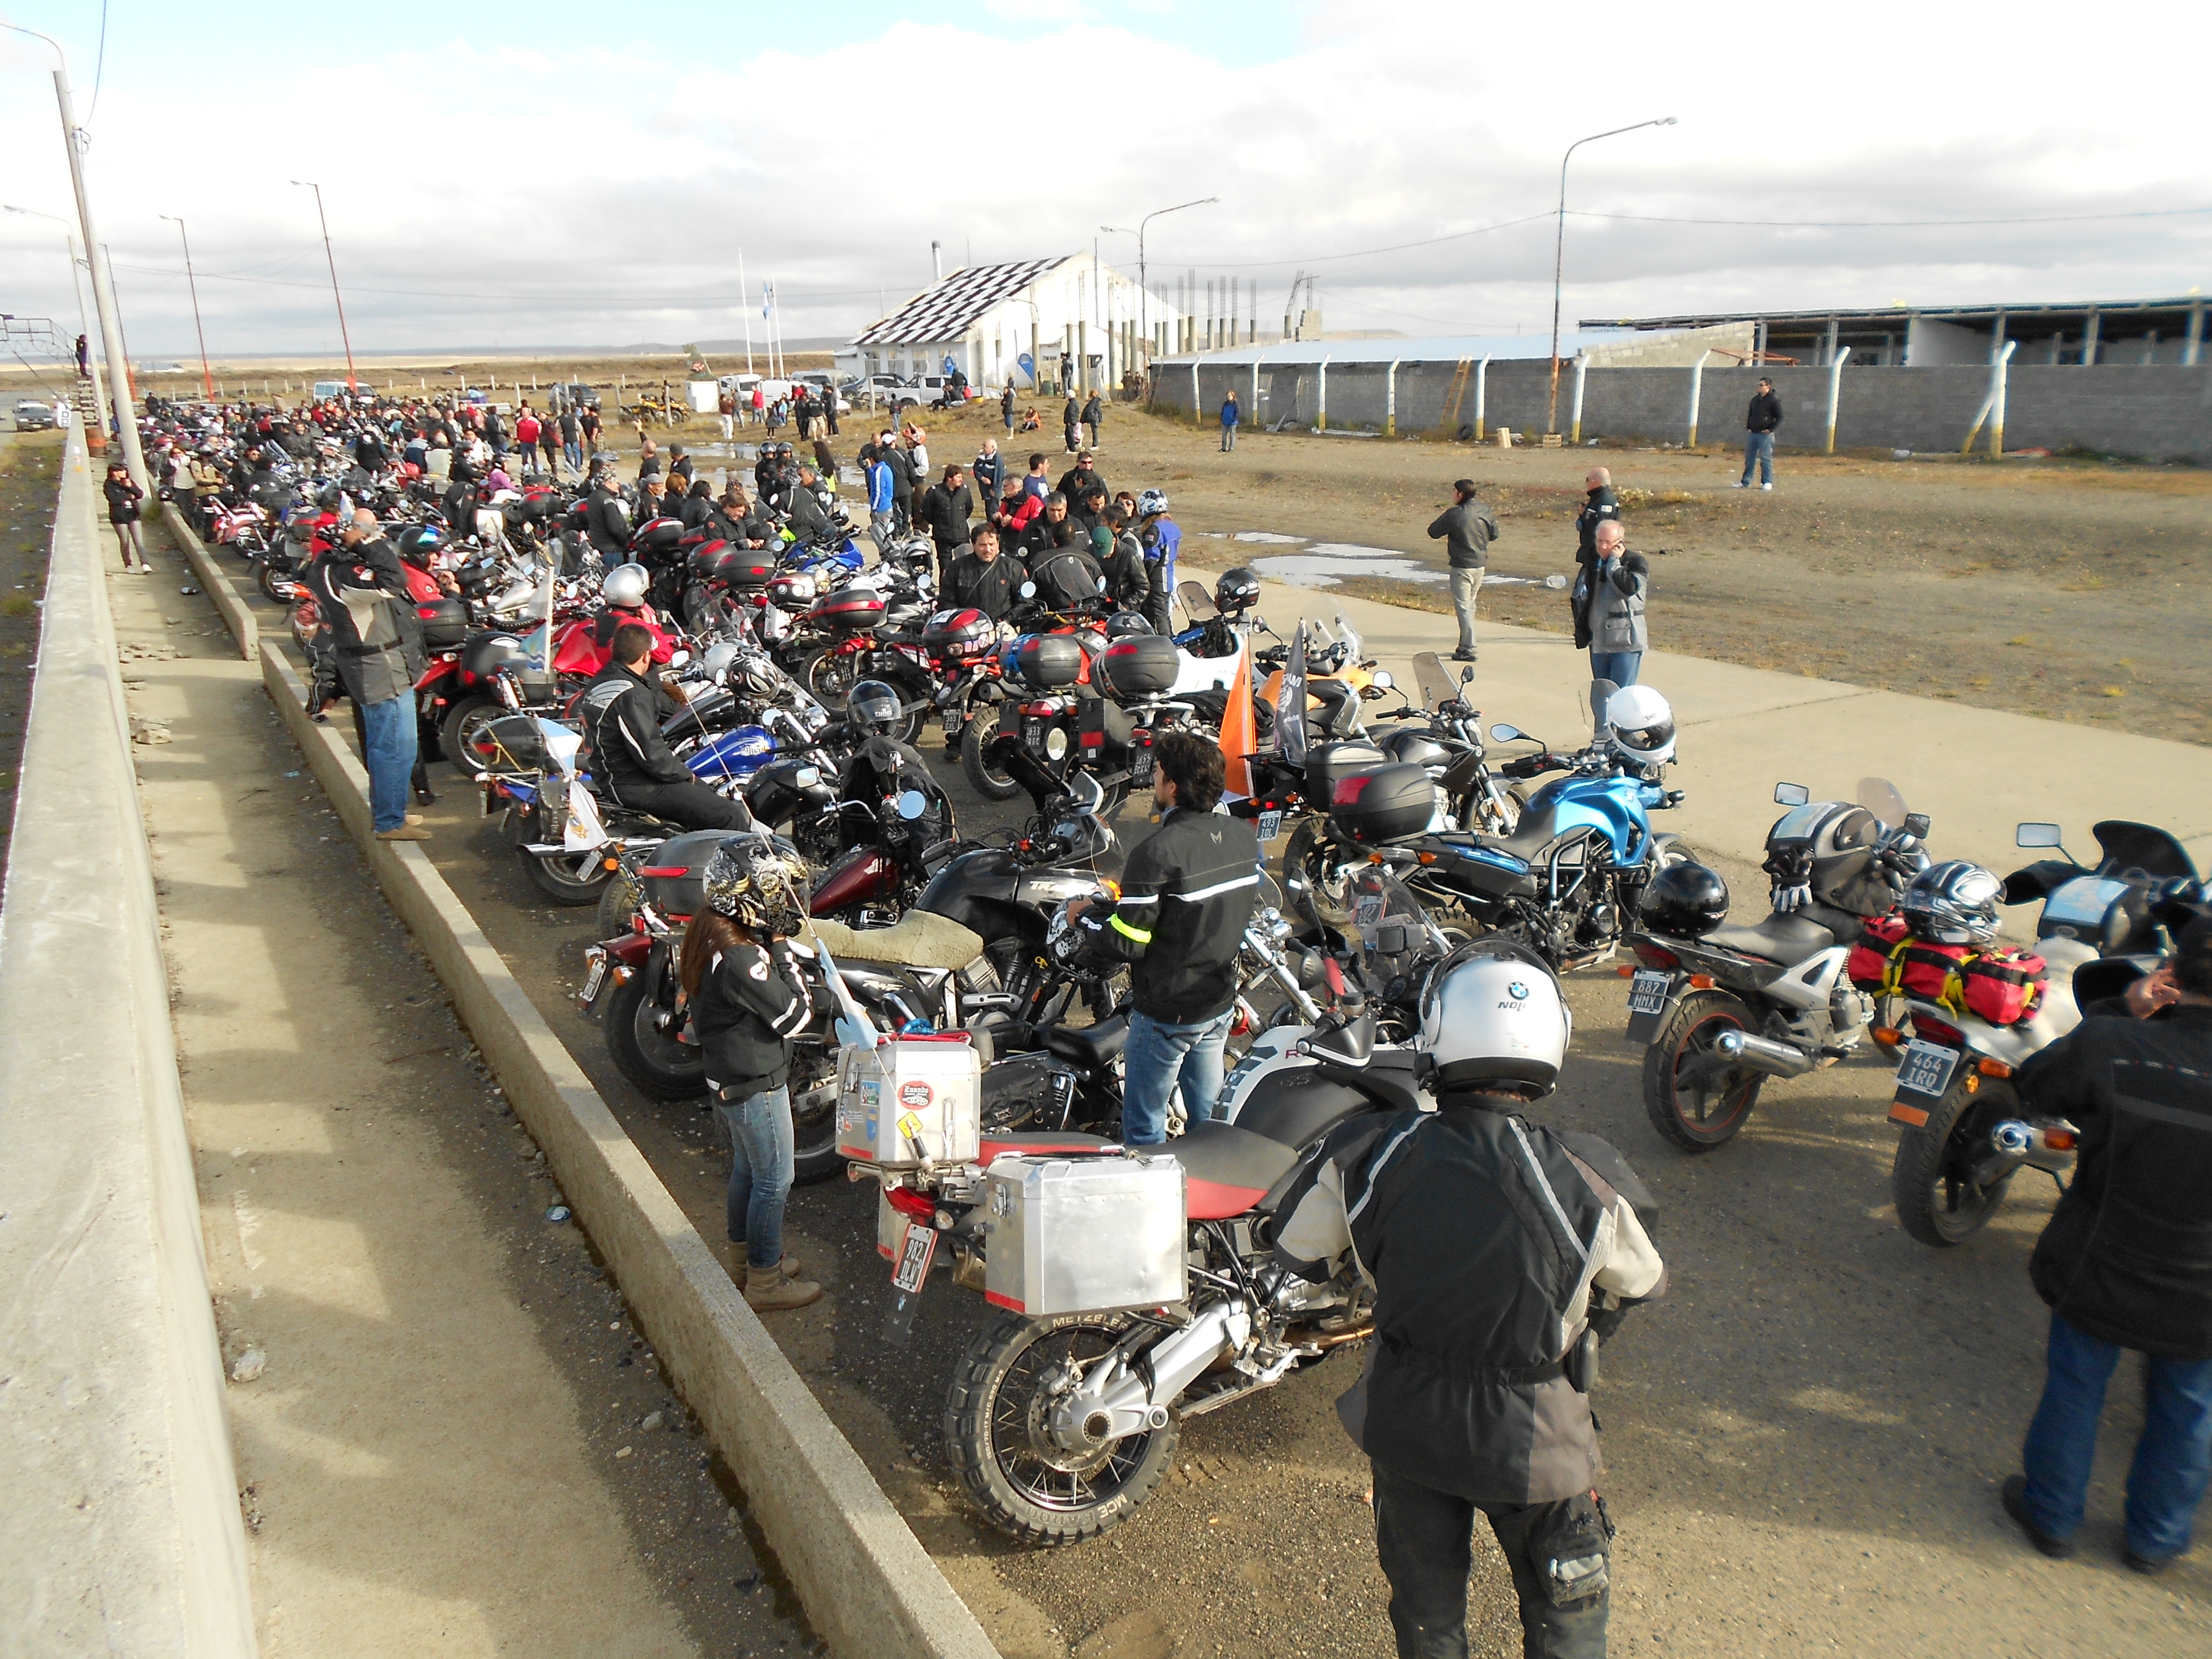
x=1441, y=348
x=1891, y=316
x=944, y=311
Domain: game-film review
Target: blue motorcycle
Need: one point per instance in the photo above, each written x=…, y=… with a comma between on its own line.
x=1565, y=882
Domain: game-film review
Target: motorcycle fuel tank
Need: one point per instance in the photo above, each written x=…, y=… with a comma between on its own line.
x=1612, y=807
x=857, y=877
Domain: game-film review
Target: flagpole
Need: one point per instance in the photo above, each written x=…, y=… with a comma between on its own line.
x=745, y=311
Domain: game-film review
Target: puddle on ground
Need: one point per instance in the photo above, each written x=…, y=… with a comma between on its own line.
x=1268, y=536
x=1325, y=564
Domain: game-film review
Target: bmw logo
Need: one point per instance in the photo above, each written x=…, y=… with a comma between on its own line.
x=1517, y=991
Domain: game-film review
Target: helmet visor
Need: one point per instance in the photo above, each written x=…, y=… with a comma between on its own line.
x=1646, y=739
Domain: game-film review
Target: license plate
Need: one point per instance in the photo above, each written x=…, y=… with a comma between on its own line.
x=1925, y=1076
x=1367, y=910
x=1140, y=766
x=917, y=1248
x=1647, y=991
x=593, y=981
x=1271, y=825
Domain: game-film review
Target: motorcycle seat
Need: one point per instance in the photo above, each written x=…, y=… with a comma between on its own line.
x=1094, y=1048
x=1783, y=938
x=1227, y=1169
x=919, y=938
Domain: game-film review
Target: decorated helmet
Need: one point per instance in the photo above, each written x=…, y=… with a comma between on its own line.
x=873, y=709
x=1643, y=725
x=758, y=885
x=625, y=586
x=1152, y=501
x=1492, y=1018
x=1953, y=903
x=1685, y=901
x=420, y=543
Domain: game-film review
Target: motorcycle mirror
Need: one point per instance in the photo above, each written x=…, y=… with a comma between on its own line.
x=912, y=803
x=1502, y=732
x=1383, y=680
x=2036, y=834
x=1791, y=794
x=1919, y=823
x=679, y=659
x=1028, y=589
x=1088, y=794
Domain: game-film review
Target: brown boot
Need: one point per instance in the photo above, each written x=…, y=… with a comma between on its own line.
x=767, y=1290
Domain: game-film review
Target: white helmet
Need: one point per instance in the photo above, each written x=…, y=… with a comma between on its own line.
x=1492, y=1018
x=1643, y=726
x=625, y=586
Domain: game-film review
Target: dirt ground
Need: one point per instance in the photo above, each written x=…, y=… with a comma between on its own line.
x=29, y=463
x=2072, y=590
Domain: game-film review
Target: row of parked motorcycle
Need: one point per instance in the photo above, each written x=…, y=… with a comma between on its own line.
x=966, y=1054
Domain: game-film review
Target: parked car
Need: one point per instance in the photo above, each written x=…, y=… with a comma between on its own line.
x=571, y=394
x=32, y=415
x=339, y=389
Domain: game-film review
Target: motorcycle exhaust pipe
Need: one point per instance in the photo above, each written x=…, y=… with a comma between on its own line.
x=1759, y=1054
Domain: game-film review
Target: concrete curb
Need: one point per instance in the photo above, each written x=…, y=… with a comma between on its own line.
x=867, y=1584
x=244, y=627
x=116, y=1459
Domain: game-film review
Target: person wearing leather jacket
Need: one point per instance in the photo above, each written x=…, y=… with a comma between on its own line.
x=985, y=578
x=608, y=532
x=1599, y=505
x=2125, y=1262
x=1187, y=893
x=808, y=521
x=361, y=590
x=622, y=709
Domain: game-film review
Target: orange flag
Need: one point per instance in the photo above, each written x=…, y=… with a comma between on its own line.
x=1240, y=736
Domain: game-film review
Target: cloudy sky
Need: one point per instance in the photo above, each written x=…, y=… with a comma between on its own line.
x=560, y=174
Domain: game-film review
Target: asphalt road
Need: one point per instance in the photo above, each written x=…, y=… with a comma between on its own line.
x=1804, y=1441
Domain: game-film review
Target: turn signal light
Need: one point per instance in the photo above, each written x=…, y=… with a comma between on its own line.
x=1992, y=1068
x=1428, y=858
x=2058, y=1140
x=1973, y=1084
x=1701, y=981
x=1888, y=1036
x=1625, y=971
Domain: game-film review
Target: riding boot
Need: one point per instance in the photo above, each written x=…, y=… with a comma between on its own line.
x=767, y=1290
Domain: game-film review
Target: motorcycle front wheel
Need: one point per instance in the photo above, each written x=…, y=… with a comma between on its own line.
x=569, y=879
x=464, y=718
x=645, y=1051
x=982, y=773
x=1027, y=1485
x=1695, y=1097
x=1931, y=1181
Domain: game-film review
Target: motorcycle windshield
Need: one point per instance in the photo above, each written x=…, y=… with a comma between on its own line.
x=1436, y=685
x=2141, y=847
x=1355, y=648
x=1881, y=797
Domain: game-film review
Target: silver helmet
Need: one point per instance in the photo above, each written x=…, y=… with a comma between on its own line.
x=1953, y=903
x=625, y=586
x=1492, y=1018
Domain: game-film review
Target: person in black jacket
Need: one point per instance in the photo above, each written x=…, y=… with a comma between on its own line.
x=985, y=578
x=1466, y=528
x=2125, y=1261
x=1599, y=505
x=1188, y=894
x=749, y=999
x=698, y=507
x=123, y=498
x=1500, y=1253
x=1060, y=560
x=1760, y=421
x=361, y=591
x=606, y=517
x=622, y=710
x=944, y=513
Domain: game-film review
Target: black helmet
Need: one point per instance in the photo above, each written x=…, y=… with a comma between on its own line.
x=1126, y=625
x=1953, y=903
x=1238, y=589
x=873, y=709
x=1686, y=901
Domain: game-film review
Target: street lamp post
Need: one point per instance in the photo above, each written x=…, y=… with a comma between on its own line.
x=96, y=438
x=352, y=382
x=207, y=375
x=103, y=290
x=1559, y=251
x=1145, y=294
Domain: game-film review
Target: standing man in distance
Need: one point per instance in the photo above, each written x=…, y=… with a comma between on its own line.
x=361, y=588
x=1094, y=411
x=883, y=528
x=945, y=513
x=1187, y=896
x=1614, y=609
x=1006, y=406
x=1466, y=528
x=990, y=473
x=1598, y=507
x=1760, y=423
x=1231, y=413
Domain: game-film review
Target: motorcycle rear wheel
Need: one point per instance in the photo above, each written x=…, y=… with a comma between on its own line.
x=983, y=777
x=1937, y=1205
x=275, y=588
x=650, y=1057
x=555, y=877
x=617, y=905
x=1693, y=1097
x=464, y=717
x=814, y=1154
x=1309, y=878
x=1026, y=1486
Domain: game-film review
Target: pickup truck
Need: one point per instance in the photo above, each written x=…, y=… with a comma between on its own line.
x=32, y=415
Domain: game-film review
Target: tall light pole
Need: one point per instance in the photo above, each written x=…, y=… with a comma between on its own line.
x=207, y=375
x=1144, y=300
x=352, y=382
x=96, y=438
x=1559, y=251
x=103, y=291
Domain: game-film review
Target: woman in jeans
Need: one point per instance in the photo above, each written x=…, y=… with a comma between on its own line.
x=748, y=1000
x=123, y=498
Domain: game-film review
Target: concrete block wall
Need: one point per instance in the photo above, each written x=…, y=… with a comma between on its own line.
x=2152, y=411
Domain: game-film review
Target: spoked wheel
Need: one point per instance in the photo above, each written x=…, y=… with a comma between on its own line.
x=1938, y=1201
x=828, y=673
x=983, y=774
x=1313, y=879
x=1695, y=1097
x=465, y=719
x=643, y=1043
x=1036, y=1486
x=618, y=904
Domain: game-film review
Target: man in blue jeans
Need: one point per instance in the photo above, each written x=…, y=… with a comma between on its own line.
x=2126, y=1260
x=1231, y=415
x=1760, y=424
x=1187, y=896
x=361, y=592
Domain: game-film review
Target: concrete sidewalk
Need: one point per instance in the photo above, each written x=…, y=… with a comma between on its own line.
x=1975, y=771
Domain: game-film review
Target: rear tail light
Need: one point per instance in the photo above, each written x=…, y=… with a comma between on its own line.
x=1349, y=790
x=664, y=871
x=1653, y=956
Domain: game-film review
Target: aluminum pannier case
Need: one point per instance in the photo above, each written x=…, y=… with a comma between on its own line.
x=1085, y=1235
x=910, y=1101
